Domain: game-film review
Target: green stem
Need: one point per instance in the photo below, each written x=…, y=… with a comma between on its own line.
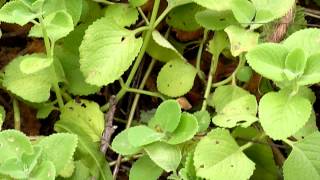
x=199, y=55
x=149, y=93
x=161, y=17
x=16, y=115
x=144, y=17
x=141, y=29
x=288, y=142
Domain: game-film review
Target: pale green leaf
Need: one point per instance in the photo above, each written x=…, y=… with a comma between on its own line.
x=59, y=149
x=166, y=156
x=58, y=25
x=281, y=115
x=241, y=40
x=16, y=12
x=145, y=167
x=44, y=111
x=243, y=11
x=303, y=161
x=87, y=115
x=161, y=49
x=216, y=5
x=14, y=168
x=175, y=3
x=122, y=14
x=218, y=43
x=176, y=78
x=80, y=172
x=91, y=11
x=121, y=144
x=186, y=129
x=311, y=73
x=203, y=118
x=309, y=128
x=68, y=169
x=303, y=91
x=215, y=20
x=268, y=59
x=34, y=63
x=45, y=170
x=107, y=51
x=137, y=3
x=244, y=74
x=217, y=156
x=13, y=144
x=142, y=135
x=294, y=64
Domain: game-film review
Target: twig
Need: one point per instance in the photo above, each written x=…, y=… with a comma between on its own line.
x=109, y=129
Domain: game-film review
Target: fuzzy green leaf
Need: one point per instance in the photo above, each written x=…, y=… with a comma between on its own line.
x=34, y=63
x=186, y=129
x=16, y=12
x=243, y=11
x=231, y=163
x=144, y=167
x=161, y=49
x=311, y=73
x=215, y=20
x=176, y=78
x=303, y=162
x=87, y=115
x=309, y=128
x=166, y=156
x=45, y=170
x=295, y=63
x=241, y=40
x=143, y=135
x=281, y=115
x=244, y=74
x=107, y=51
x=121, y=144
x=268, y=59
x=122, y=14
x=203, y=118
x=13, y=144
x=167, y=116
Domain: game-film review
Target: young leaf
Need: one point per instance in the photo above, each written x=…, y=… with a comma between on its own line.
x=58, y=25
x=16, y=12
x=161, y=49
x=241, y=40
x=137, y=3
x=59, y=148
x=167, y=116
x=244, y=74
x=243, y=11
x=122, y=14
x=176, y=78
x=145, y=167
x=31, y=160
x=13, y=144
x=282, y=115
x=295, y=63
x=303, y=162
x=227, y=164
x=215, y=20
x=166, y=156
x=311, y=73
x=34, y=63
x=268, y=59
x=203, y=118
x=186, y=129
x=45, y=170
x=86, y=115
x=219, y=42
x=143, y=135
x=121, y=144
x=107, y=51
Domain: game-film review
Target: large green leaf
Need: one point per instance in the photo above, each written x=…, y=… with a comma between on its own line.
x=268, y=59
x=311, y=73
x=243, y=11
x=136, y=3
x=45, y=170
x=87, y=115
x=216, y=5
x=217, y=156
x=142, y=135
x=121, y=144
x=295, y=63
x=107, y=51
x=176, y=78
x=122, y=14
x=215, y=20
x=303, y=162
x=282, y=115
x=34, y=63
x=309, y=128
x=166, y=156
x=144, y=167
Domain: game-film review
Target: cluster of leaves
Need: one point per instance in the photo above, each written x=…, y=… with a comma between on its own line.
x=88, y=48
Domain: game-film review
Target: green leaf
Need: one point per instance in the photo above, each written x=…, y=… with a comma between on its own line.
x=215, y=20
x=144, y=167
x=216, y=5
x=166, y=156
x=303, y=162
x=121, y=144
x=203, y=118
x=13, y=144
x=311, y=73
x=58, y=25
x=241, y=40
x=268, y=59
x=87, y=115
x=34, y=63
x=115, y=49
x=59, y=149
x=80, y=172
x=282, y=115
x=137, y=3
x=45, y=170
x=230, y=163
x=308, y=41
x=269, y=10
x=44, y=111
x=218, y=43
x=167, y=116
x=243, y=11
x=68, y=169
x=2, y=116
x=16, y=12
x=122, y=14
x=176, y=78
x=186, y=129
x=161, y=49
x=294, y=64
x=244, y=74
x=309, y=128
x=175, y=3
x=143, y=135
x=183, y=17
